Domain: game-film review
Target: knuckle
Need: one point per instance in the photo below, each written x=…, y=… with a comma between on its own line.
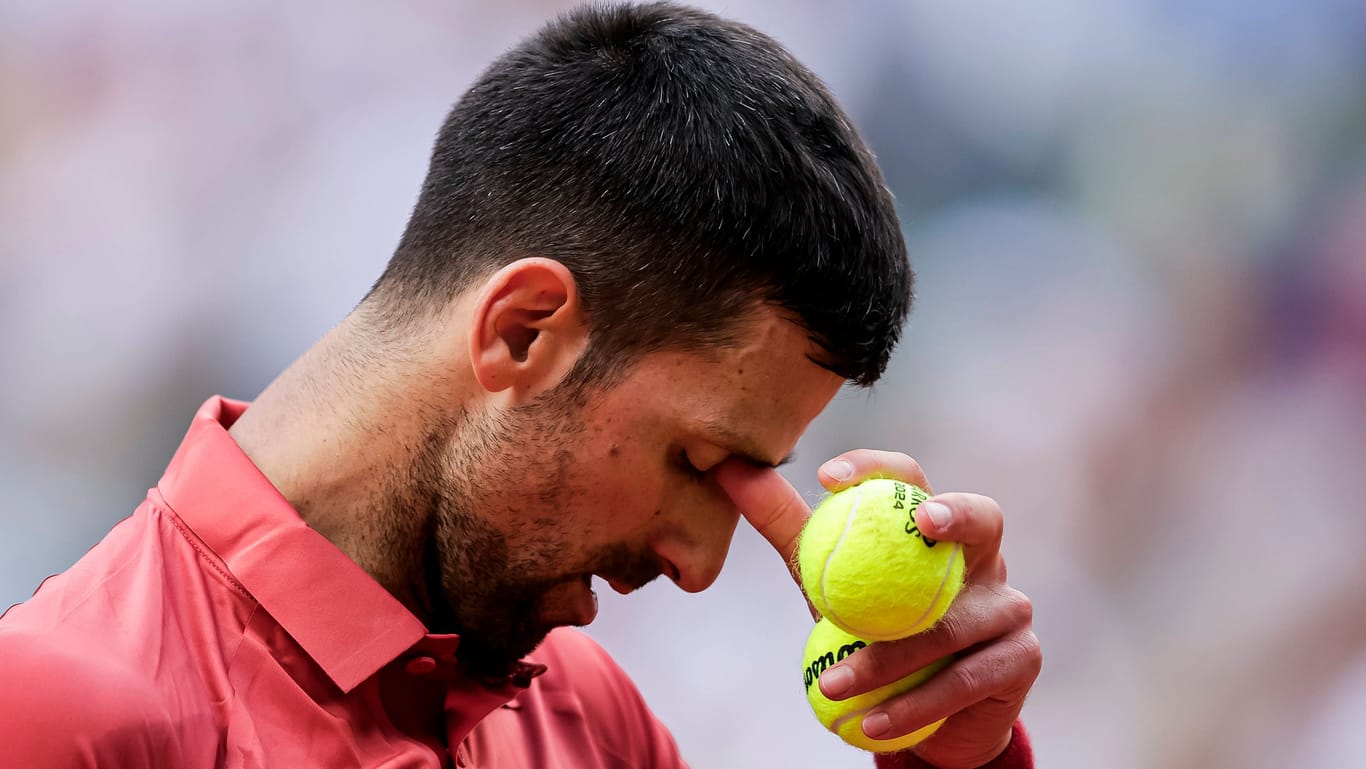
x=1018, y=607
x=899, y=708
x=995, y=518
x=899, y=465
x=888, y=661
x=982, y=515
x=969, y=621
x=883, y=663
x=876, y=664
x=966, y=678
x=909, y=711
x=1032, y=652
x=912, y=465
x=951, y=627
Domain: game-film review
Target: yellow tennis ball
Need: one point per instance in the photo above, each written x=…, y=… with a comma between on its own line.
x=827, y=645
x=866, y=567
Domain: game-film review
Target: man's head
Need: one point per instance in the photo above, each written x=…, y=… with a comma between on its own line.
x=684, y=167
x=656, y=244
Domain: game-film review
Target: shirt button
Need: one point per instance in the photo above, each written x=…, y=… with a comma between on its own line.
x=420, y=666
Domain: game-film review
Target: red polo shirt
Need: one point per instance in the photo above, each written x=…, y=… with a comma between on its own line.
x=213, y=628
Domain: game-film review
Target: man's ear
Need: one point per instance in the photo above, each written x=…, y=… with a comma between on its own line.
x=528, y=328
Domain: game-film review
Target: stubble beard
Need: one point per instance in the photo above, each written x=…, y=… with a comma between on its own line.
x=469, y=475
x=470, y=581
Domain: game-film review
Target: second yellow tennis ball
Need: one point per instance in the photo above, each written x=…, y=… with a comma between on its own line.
x=827, y=645
x=866, y=567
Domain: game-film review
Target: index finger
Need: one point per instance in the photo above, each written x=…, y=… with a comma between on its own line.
x=770, y=504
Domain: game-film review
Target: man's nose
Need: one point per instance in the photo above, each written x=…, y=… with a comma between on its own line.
x=696, y=548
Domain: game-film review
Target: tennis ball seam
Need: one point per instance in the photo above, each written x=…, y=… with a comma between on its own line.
x=839, y=723
x=948, y=570
x=828, y=644
x=826, y=610
x=830, y=555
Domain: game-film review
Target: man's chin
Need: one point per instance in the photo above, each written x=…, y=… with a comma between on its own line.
x=571, y=602
x=493, y=650
x=481, y=659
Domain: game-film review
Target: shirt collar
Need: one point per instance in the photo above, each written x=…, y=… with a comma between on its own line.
x=348, y=623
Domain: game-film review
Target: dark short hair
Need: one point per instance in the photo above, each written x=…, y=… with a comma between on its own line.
x=685, y=168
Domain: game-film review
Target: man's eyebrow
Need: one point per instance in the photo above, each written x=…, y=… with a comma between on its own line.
x=743, y=448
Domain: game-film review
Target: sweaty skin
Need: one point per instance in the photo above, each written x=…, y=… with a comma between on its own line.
x=460, y=471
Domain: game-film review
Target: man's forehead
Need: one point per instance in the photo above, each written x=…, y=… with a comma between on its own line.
x=763, y=418
x=754, y=398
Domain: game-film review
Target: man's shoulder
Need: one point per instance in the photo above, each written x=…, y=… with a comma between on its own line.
x=580, y=671
x=39, y=674
x=92, y=666
x=66, y=705
x=576, y=663
x=571, y=656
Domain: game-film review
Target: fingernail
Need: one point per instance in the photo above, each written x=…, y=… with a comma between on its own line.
x=836, y=681
x=939, y=514
x=838, y=469
x=876, y=725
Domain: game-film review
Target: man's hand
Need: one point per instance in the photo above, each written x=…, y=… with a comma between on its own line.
x=987, y=629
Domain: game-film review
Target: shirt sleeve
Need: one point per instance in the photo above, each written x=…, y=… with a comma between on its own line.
x=1017, y=755
x=67, y=711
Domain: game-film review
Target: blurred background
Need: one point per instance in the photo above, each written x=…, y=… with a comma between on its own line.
x=1140, y=232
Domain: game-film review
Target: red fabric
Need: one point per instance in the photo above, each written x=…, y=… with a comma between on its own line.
x=1017, y=755
x=213, y=628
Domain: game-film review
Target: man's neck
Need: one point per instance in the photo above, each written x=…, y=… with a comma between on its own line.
x=333, y=433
